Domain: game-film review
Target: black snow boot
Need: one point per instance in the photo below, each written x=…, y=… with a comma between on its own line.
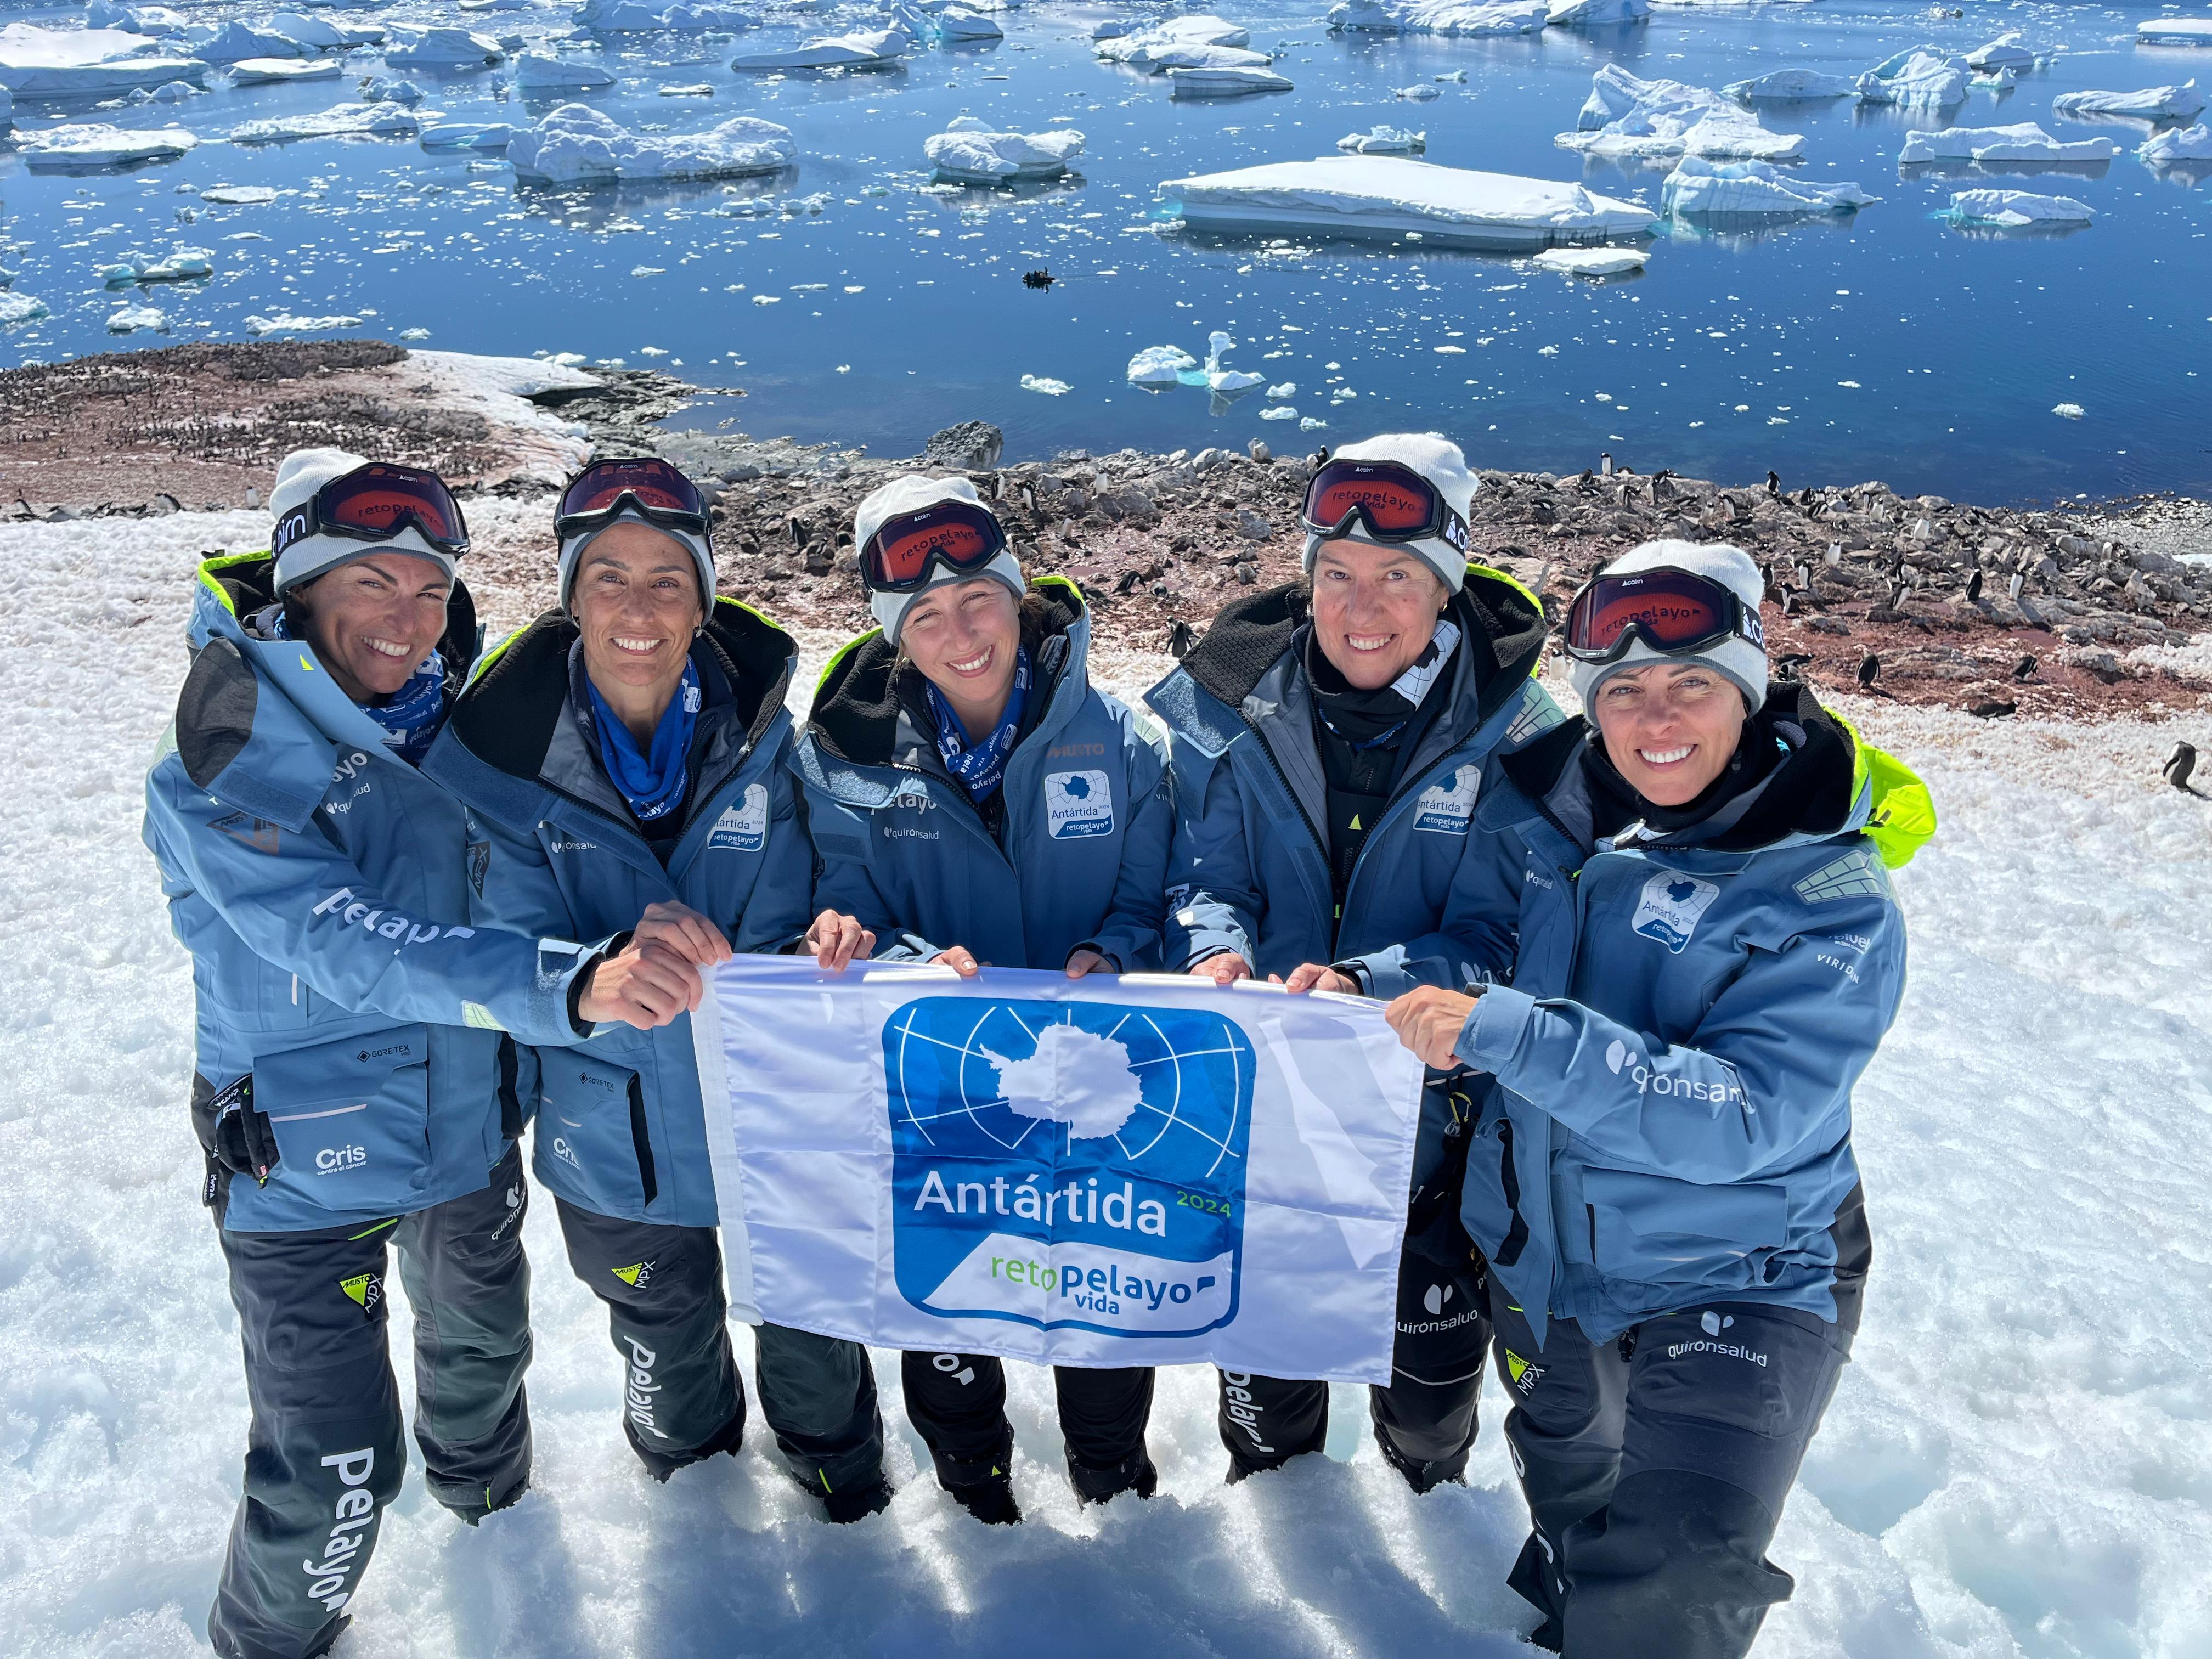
x=990, y=1500
x=1535, y=1579
x=858, y=1502
x=729, y=1439
x=1133, y=1474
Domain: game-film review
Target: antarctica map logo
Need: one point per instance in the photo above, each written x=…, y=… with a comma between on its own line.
x=1068, y=1165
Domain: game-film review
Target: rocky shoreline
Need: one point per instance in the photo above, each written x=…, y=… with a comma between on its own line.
x=2061, y=611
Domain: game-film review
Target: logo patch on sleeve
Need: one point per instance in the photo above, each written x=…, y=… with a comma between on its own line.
x=1077, y=804
x=1670, y=907
x=1855, y=875
x=1445, y=805
x=743, y=827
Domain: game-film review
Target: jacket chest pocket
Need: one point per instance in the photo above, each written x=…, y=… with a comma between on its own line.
x=351, y=1119
x=594, y=1139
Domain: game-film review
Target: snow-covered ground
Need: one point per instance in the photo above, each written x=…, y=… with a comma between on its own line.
x=2016, y=1464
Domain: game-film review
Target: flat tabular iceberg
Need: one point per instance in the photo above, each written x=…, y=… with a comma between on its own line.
x=1200, y=41
x=235, y=42
x=1791, y=86
x=339, y=121
x=2183, y=144
x=1577, y=14
x=41, y=63
x=576, y=143
x=1384, y=141
x=257, y=71
x=2023, y=140
x=870, y=49
x=539, y=71
x=2016, y=209
x=2152, y=104
x=1594, y=261
x=126, y=319
x=1389, y=195
x=1919, y=75
x=467, y=134
x=2178, y=31
x=1459, y=17
x=618, y=16
x=442, y=47
x=1233, y=80
x=1626, y=115
x=61, y=149
x=285, y=323
x=1699, y=188
x=969, y=151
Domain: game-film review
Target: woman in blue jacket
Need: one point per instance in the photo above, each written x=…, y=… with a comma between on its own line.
x=623, y=755
x=973, y=799
x=358, y=1079
x=1663, y=1184
x=1331, y=737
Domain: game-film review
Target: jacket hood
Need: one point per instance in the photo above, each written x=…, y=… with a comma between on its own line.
x=1496, y=614
x=1831, y=783
x=507, y=716
x=860, y=700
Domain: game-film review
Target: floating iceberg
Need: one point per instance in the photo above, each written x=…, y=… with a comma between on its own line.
x=1791, y=86
x=322, y=34
x=132, y=20
x=1227, y=382
x=128, y=319
x=2179, y=103
x=236, y=41
x=621, y=16
x=2182, y=144
x=1699, y=188
x=339, y=121
x=873, y=49
x=62, y=149
x=2016, y=209
x=257, y=71
x=2176, y=31
x=576, y=143
x=539, y=71
x=1230, y=81
x=1918, y=74
x=1592, y=261
x=169, y=92
x=179, y=264
x=1159, y=366
x=1579, y=13
x=441, y=48
x=2023, y=140
x=969, y=151
x=1389, y=195
x=2003, y=52
x=1460, y=17
x=41, y=63
x=1194, y=42
x=21, y=308
x=946, y=23
x=1625, y=116
x=285, y=323
x=238, y=195
x=383, y=89
x=1384, y=141
x=467, y=134
x=1047, y=385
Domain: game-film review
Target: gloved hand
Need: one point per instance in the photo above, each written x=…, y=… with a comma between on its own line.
x=245, y=1142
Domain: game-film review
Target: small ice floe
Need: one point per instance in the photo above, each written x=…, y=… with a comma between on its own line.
x=541, y=72
x=1996, y=79
x=468, y=135
x=1699, y=188
x=1586, y=13
x=320, y=35
x=1924, y=76
x=154, y=21
x=68, y=149
x=1234, y=81
x=2180, y=103
x=1390, y=196
x=388, y=90
x=2181, y=144
x=1282, y=393
x=175, y=91
x=1466, y=18
x=1592, y=261
x=74, y=62
x=441, y=48
x=1307, y=423
x=238, y=195
x=1160, y=365
x=1194, y=42
x=2006, y=52
x=1384, y=141
x=179, y=264
x=129, y=319
x=285, y=323
x=954, y=24
x=2016, y=209
x=2176, y=31
x=700, y=89
x=21, y=308
x=2023, y=140
x=1626, y=115
x=1043, y=383
x=1792, y=86
x=1421, y=94
x=1227, y=381
x=414, y=333
x=969, y=151
x=339, y=121
x=868, y=50
x=621, y=16
x=576, y=143
x=236, y=41
x=261, y=71
x=2068, y=411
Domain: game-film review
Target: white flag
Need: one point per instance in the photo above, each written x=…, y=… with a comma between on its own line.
x=1133, y=1171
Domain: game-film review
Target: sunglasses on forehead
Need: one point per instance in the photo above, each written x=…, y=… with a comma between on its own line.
x=375, y=503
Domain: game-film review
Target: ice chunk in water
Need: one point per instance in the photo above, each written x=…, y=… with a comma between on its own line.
x=1919, y=75
x=2179, y=103
x=181, y=263
x=1384, y=141
x=386, y=89
x=1592, y=261
x=2006, y=52
x=1422, y=93
x=2182, y=144
x=618, y=16
x=43, y=63
x=1459, y=17
x=2023, y=140
x=324, y=35
x=64, y=149
x=1159, y=366
x=235, y=42
x=872, y=49
x=1228, y=82
x=539, y=71
x=467, y=134
x=126, y=319
x=1199, y=29
x=238, y=195
x=285, y=323
x=1626, y=115
x=1050, y=387
x=21, y=308
x=1699, y=188
x=1791, y=86
x=1581, y=13
x=256, y=71
x=446, y=48
x=2016, y=209
x=1388, y=195
x=339, y=121
x=576, y=143
x=1227, y=381
x=2176, y=31
x=969, y=150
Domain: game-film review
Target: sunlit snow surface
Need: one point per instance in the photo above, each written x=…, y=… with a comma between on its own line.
x=1891, y=345
x=2015, y=1467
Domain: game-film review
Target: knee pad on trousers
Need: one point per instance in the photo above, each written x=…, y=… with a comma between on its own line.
x=1674, y=1567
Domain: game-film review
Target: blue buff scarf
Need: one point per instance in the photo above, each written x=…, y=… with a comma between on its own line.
x=410, y=717
x=653, y=784
x=979, y=766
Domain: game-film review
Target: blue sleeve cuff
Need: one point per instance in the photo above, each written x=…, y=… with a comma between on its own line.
x=1492, y=1036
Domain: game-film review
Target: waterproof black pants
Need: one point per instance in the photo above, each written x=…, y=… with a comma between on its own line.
x=682, y=1400
x=957, y=1402
x=1656, y=1469
x=324, y=1453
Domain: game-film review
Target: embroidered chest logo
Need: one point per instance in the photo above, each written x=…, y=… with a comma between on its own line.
x=1670, y=907
x=1445, y=805
x=743, y=827
x=1077, y=804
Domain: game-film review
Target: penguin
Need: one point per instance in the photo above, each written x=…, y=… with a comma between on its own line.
x=2024, y=668
x=1181, y=637
x=1870, y=670
x=2178, y=766
x=1974, y=587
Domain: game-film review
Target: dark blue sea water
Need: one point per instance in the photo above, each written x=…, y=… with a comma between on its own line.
x=1887, y=344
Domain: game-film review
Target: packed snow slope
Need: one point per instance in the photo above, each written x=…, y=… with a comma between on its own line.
x=2015, y=1466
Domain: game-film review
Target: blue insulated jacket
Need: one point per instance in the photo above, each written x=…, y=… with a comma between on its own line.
x=621, y=1127
x=1687, y=1019
x=1080, y=857
x=320, y=884
x=1250, y=872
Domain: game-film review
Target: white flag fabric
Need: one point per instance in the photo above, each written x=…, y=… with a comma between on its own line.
x=1138, y=1170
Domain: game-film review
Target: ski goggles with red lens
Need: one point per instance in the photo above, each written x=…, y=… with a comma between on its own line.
x=907, y=549
x=1673, y=612
x=1389, y=502
x=648, y=486
x=375, y=503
